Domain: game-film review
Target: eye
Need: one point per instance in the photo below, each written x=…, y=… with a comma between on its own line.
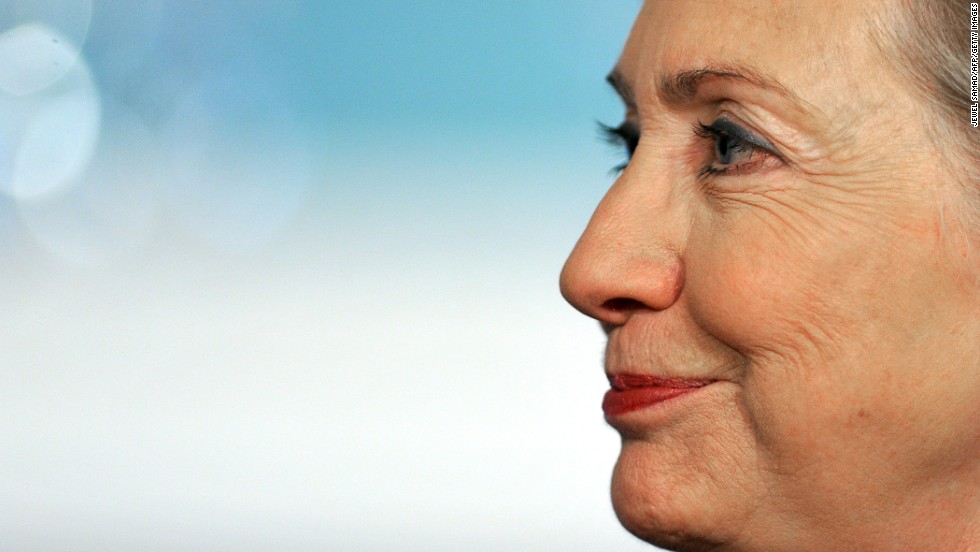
x=737, y=150
x=626, y=137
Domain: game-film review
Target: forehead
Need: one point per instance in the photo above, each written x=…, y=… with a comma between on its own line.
x=820, y=49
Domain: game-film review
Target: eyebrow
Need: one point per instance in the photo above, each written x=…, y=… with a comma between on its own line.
x=682, y=87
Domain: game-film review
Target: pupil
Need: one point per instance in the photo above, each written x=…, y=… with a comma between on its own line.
x=723, y=149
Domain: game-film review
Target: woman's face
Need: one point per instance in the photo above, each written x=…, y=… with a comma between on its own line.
x=783, y=230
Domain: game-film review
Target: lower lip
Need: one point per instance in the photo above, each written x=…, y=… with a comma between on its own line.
x=632, y=393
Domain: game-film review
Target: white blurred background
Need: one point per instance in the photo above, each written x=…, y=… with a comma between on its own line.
x=283, y=275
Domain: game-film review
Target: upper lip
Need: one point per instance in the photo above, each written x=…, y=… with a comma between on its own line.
x=627, y=381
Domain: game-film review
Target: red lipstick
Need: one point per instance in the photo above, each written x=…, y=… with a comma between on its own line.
x=629, y=392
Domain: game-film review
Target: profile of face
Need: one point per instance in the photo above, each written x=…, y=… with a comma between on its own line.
x=792, y=310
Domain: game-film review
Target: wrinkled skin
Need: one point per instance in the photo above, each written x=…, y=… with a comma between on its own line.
x=828, y=290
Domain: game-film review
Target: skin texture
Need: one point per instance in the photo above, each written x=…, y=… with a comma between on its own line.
x=826, y=289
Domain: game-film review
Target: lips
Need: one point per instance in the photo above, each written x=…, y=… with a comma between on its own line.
x=631, y=392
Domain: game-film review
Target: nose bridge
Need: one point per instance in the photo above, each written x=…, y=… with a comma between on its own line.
x=629, y=256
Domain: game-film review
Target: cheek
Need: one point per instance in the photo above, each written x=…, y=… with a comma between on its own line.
x=793, y=308
x=751, y=291
x=776, y=286
x=844, y=369
x=773, y=303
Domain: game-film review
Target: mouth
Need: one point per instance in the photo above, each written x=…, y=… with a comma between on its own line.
x=632, y=392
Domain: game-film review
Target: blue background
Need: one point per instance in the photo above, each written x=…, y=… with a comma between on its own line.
x=283, y=275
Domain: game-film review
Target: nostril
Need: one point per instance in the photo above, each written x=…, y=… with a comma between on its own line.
x=622, y=304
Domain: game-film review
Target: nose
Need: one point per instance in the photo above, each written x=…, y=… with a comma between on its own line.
x=628, y=259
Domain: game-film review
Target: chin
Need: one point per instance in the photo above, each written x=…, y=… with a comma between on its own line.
x=660, y=507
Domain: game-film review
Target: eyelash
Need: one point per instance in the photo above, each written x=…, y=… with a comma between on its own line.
x=626, y=136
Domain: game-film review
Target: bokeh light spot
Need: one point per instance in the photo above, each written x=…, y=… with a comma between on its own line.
x=112, y=208
x=240, y=167
x=59, y=138
x=33, y=57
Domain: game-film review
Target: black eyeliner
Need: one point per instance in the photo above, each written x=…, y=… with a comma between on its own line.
x=725, y=127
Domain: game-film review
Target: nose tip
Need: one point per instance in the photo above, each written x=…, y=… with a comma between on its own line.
x=610, y=284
